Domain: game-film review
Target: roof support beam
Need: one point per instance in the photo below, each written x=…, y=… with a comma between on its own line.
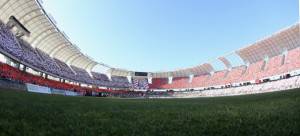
x=51, y=41
x=91, y=66
x=88, y=65
x=13, y=3
x=28, y=13
x=4, y=4
x=71, y=61
x=43, y=38
x=40, y=23
x=57, y=49
x=226, y=62
x=56, y=45
x=39, y=34
x=22, y=10
x=1, y=14
x=61, y=51
x=82, y=62
x=71, y=58
x=30, y=19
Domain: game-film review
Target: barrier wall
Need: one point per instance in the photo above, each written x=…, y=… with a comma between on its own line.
x=57, y=91
x=70, y=93
x=47, y=90
x=38, y=89
x=9, y=84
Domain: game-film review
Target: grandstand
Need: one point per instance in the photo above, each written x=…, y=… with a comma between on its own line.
x=36, y=51
x=40, y=65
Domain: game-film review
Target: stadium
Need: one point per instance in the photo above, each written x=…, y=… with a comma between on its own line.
x=50, y=87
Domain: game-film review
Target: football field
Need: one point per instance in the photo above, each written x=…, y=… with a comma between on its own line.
x=38, y=114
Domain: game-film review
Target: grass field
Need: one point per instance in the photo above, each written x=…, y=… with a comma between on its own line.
x=37, y=114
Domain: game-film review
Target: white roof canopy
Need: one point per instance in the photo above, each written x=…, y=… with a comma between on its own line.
x=276, y=44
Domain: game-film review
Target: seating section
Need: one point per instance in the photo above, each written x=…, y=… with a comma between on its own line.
x=277, y=65
x=119, y=79
x=100, y=76
x=252, y=71
x=200, y=81
x=49, y=63
x=24, y=53
x=234, y=75
x=159, y=83
x=272, y=67
x=12, y=73
x=141, y=84
x=31, y=57
x=217, y=78
x=180, y=82
x=66, y=71
x=162, y=83
x=82, y=75
x=292, y=61
x=8, y=43
x=279, y=85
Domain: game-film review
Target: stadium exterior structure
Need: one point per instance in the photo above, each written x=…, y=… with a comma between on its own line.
x=29, y=30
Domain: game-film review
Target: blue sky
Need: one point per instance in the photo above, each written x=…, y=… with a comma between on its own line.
x=159, y=35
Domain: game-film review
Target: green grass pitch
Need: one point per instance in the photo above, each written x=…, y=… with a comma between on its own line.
x=276, y=114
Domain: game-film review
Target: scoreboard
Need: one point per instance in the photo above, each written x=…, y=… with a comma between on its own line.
x=141, y=74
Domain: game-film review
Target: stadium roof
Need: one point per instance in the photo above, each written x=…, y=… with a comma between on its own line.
x=45, y=35
x=271, y=46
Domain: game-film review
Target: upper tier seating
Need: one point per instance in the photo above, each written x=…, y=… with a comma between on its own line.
x=8, y=43
x=66, y=71
x=102, y=80
x=49, y=63
x=217, y=78
x=82, y=75
x=252, y=71
x=159, y=83
x=178, y=83
x=234, y=75
x=100, y=76
x=31, y=57
x=272, y=67
x=292, y=61
x=119, y=79
x=200, y=81
x=24, y=52
x=140, y=84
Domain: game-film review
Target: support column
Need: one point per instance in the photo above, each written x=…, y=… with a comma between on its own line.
x=24, y=68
